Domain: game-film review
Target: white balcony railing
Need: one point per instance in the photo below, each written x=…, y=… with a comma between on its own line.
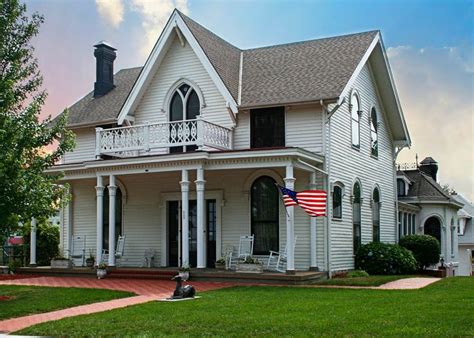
x=131, y=140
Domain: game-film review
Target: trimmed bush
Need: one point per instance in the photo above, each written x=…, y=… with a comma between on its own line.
x=385, y=259
x=47, y=241
x=357, y=273
x=425, y=249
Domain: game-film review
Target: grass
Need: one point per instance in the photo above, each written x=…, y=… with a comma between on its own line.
x=442, y=309
x=34, y=299
x=363, y=281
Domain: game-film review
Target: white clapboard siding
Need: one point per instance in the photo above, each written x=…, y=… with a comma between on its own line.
x=348, y=164
x=242, y=131
x=84, y=216
x=303, y=128
x=85, y=146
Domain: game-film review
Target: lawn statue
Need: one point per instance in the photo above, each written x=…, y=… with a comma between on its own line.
x=187, y=291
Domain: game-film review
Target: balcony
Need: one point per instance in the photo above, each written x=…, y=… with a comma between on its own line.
x=134, y=140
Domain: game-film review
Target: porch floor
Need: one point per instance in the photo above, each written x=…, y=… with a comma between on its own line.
x=209, y=275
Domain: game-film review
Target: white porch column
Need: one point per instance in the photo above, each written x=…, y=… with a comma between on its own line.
x=185, y=217
x=200, y=186
x=33, y=242
x=99, y=189
x=112, y=191
x=290, y=231
x=312, y=235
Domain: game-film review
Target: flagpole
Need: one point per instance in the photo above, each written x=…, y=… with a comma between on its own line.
x=282, y=200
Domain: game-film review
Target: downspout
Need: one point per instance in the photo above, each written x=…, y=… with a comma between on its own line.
x=327, y=160
x=396, y=151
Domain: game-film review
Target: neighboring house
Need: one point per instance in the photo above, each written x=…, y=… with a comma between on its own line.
x=181, y=156
x=465, y=236
x=424, y=207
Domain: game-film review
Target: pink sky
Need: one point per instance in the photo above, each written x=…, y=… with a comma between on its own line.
x=434, y=80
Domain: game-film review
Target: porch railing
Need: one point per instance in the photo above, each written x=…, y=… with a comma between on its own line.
x=133, y=139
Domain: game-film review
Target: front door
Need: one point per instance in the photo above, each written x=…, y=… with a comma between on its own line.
x=174, y=239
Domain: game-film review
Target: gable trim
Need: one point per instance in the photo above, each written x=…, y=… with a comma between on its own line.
x=155, y=58
x=359, y=67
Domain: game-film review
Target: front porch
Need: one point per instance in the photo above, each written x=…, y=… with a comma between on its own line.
x=189, y=208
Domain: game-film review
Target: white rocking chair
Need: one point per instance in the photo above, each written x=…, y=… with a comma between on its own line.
x=245, y=250
x=119, y=251
x=148, y=258
x=280, y=257
x=78, y=249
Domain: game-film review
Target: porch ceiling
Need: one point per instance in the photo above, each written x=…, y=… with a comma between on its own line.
x=235, y=159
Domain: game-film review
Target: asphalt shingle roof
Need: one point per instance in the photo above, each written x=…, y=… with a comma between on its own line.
x=107, y=107
x=302, y=71
x=275, y=75
x=424, y=186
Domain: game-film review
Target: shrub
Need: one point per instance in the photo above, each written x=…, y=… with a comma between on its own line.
x=385, y=259
x=425, y=249
x=47, y=242
x=357, y=273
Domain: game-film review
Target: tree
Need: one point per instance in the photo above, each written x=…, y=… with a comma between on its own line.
x=25, y=189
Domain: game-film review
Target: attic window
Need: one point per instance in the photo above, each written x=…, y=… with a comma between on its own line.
x=374, y=138
x=184, y=105
x=355, y=119
x=400, y=187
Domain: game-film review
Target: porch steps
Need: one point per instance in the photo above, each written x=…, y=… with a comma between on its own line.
x=272, y=278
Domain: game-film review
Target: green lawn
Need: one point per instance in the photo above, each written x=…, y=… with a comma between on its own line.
x=34, y=299
x=364, y=281
x=444, y=308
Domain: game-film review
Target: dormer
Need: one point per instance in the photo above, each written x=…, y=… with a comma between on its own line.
x=403, y=185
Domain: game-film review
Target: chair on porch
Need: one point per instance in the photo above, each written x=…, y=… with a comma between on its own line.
x=119, y=251
x=148, y=258
x=280, y=257
x=78, y=248
x=245, y=250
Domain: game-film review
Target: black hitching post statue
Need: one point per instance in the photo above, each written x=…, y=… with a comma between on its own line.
x=181, y=291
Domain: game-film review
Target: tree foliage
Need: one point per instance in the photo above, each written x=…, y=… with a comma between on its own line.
x=28, y=146
x=425, y=248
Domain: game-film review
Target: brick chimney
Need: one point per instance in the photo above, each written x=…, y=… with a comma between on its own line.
x=105, y=56
x=430, y=167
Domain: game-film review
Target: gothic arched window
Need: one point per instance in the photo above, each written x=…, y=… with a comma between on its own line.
x=184, y=105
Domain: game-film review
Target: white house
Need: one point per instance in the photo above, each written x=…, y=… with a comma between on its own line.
x=465, y=230
x=181, y=155
x=424, y=207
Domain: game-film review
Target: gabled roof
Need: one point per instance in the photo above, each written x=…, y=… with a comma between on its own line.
x=223, y=56
x=468, y=208
x=302, y=71
x=424, y=188
x=89, y=110
x=308, y=71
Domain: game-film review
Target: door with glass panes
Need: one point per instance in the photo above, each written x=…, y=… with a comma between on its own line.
x=174, y=231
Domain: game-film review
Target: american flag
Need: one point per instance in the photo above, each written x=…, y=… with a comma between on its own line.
x=311, y=201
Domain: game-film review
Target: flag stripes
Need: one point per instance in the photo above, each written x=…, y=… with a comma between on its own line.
x=311, y=201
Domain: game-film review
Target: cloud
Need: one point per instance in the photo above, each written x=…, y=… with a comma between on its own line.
x=436, y=88
x=154, y=14
x=111, y=10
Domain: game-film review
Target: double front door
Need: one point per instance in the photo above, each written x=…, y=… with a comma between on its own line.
x=174, y=228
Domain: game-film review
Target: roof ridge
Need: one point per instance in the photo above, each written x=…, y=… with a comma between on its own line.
x=312, y=40
x=435, y=184
x=207, y=29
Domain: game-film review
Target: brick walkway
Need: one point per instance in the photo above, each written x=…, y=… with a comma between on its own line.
x=147, y=290
x=409, y=283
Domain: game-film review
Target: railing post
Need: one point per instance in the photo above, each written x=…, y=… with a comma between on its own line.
x=200, y=132
x=97, y=142
x=230, y=134
x=146, y=137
